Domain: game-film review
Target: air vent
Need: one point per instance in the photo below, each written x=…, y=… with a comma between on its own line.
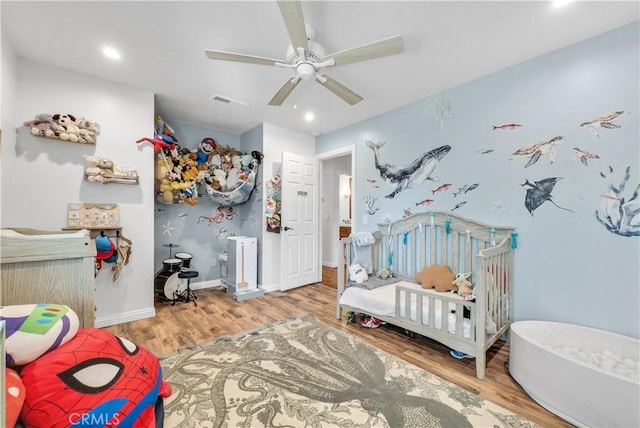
x=221, y=99
x=229, y=101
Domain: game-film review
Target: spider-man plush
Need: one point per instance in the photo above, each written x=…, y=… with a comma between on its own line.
x=94, y=380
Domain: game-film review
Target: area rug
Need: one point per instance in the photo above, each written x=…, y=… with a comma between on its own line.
x=301, y=372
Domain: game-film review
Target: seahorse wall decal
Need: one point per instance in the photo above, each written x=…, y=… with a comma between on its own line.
x=618, y=215
x=411, y=175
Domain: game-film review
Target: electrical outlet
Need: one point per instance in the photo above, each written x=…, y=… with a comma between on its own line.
x=214, y=261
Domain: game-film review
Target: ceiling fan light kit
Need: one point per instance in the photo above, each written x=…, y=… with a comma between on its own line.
x=308, y=58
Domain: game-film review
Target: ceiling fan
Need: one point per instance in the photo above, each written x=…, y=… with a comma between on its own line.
x=308, y=58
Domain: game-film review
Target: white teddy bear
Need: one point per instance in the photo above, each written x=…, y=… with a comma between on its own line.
x=357, y=274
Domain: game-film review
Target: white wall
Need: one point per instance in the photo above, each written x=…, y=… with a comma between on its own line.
x=40, y=176
x=276, y=140
x=7, y=98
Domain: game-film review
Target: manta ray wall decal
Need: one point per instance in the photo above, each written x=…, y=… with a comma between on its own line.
x=407, y=176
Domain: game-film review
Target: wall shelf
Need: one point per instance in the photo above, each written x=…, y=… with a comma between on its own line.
x=112, y=178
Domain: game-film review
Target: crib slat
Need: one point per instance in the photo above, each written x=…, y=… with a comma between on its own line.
x=414, y=251
x=407, y=305
x=444, y=316
x=432, y=312
x=468, y=258
x=405, y=254
x=432, y=245
x=444, y=237
x=455, y=255
x=459, y=320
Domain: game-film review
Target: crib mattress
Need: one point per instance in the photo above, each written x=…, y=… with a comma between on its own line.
x=381, y=301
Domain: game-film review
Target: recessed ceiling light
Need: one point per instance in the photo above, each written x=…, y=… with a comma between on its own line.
x=110, y=52
x=309, y=117
x=561, y=3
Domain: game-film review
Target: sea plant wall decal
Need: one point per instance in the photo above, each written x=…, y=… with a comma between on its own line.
x=618, y=215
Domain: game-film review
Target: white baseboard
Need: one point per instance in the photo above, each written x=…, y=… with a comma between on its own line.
x=206, y=284
x=271, y=287
x=125, y=317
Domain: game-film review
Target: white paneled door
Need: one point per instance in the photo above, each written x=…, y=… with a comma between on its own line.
x=300, y=258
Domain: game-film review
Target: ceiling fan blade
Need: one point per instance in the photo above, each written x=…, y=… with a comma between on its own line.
x=284, y=91
x=339, y=89
x=391, y=46
x=229, y=56
x=291, y=12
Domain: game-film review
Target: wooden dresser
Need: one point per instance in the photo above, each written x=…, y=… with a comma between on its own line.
x=48, y=267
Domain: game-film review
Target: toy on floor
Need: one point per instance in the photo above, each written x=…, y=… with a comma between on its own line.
x=14, y=397
x=32, y=330
x=95, y=377
x=77, y=377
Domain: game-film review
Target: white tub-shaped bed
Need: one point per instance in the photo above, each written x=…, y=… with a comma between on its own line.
x=586, y=376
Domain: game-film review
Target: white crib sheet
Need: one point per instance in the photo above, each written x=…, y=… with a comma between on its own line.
x=381, y=301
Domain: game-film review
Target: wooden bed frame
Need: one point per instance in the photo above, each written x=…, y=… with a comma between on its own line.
x=424, y=239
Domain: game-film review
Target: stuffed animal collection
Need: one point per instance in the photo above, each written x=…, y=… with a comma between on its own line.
x=64, y=127
x=179, y=170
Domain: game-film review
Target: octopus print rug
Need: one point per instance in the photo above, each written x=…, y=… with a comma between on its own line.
x=302, y=373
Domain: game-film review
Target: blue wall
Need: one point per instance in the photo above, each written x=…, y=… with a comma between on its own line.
x=193, y=231
x=569, y=267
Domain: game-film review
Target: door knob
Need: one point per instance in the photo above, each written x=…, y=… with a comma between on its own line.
x=287, y=228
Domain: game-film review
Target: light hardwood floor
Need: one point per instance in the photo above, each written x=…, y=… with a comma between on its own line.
x=218, y=314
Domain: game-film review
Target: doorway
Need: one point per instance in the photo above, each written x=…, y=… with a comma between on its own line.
x=338, y=192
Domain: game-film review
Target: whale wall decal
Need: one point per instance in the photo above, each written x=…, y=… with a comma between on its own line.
x=407, y=176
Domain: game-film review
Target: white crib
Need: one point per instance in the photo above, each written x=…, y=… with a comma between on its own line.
x=425, y=239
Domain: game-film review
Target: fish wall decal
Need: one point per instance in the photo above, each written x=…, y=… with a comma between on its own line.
x=407, y=176
x=507, y=126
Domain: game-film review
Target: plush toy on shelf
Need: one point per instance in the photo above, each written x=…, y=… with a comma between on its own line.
x=43, y=126
x=70, y=130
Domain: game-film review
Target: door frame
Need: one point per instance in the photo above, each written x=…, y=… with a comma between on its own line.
x=336, y=153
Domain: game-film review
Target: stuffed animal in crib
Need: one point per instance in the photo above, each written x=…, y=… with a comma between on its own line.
x=384, y=273
x=357, y=274
x=465, y=288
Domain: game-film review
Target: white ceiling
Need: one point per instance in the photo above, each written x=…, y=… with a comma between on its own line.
x=447, y=43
